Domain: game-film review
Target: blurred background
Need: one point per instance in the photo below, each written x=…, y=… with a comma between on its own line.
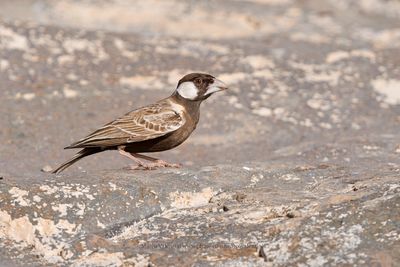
x=307, y=77
x=297, y=164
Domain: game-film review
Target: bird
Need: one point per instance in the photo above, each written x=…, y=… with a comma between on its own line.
x=156, y=127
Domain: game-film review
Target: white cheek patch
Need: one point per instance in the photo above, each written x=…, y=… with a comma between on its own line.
x=188, y=90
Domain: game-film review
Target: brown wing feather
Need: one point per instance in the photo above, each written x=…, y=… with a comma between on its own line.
x=139, y=125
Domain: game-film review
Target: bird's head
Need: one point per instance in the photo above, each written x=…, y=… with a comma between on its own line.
x=199, y=86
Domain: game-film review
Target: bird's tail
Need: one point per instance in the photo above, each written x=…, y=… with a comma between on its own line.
x=81, y=154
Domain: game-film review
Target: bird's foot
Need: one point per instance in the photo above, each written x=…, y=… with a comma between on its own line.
x=154, y=165
x=162, y=163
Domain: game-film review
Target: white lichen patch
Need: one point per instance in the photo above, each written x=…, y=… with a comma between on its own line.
x=279, y=113
x=69, y=93
x=349, y=237
x=325, y=125
x=65, y=59
x=138, y=229
x=28, y=96
x=81, y=209
x=101, y=259
x=182, y=200
x=317, y=260
x=331, y=77
x=234, y=101
x=46, y=227
x=69, y=228
x=4, y=64
x=37, y=198
x=72, y=45
x=138, y=260
x=25, y=96
x=306, y=123
x=389, y=89
x=263, y=111
x=254, y=179
x=41, y=235
x=68, y=191
x=278, y=250
x=45, y=40
x=100, y=224
x=94, y=48
x=346, y=239
x=19, y=196
x=318, y=73
x=9, y=39
x=319, y=103
x=388, y=38
x=62, y=208
x=112, y=186
x=18, y=230
x=121, y=45
x=48, y=190
x=343, y=55
x=290, y=177
x=371, y=147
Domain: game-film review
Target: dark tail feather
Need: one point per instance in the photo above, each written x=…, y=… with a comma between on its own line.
x=81, y=154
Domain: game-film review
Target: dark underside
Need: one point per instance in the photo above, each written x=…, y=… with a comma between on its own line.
x=162, y=143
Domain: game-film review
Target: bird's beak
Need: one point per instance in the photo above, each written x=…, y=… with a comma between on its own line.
x=216, y=86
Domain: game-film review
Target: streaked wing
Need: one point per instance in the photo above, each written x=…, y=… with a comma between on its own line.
x=139, y=125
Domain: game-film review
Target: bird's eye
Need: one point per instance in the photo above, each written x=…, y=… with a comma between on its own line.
x=197, y=81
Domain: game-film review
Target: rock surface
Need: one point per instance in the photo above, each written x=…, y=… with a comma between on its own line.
x=297, y=164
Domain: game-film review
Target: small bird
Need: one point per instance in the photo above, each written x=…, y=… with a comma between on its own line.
x=156, y=127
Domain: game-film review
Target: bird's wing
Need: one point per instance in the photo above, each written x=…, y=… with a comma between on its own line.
x=139, y=125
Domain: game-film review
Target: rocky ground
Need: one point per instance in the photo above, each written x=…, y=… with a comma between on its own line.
x=297, y=164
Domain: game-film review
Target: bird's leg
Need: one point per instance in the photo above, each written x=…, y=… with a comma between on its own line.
x=132, y=157
x=147, y=166
x=158, y=162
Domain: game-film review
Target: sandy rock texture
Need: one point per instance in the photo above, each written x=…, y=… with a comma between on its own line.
x=298, y=164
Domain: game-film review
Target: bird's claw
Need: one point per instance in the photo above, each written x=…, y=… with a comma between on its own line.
x=162, y=163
